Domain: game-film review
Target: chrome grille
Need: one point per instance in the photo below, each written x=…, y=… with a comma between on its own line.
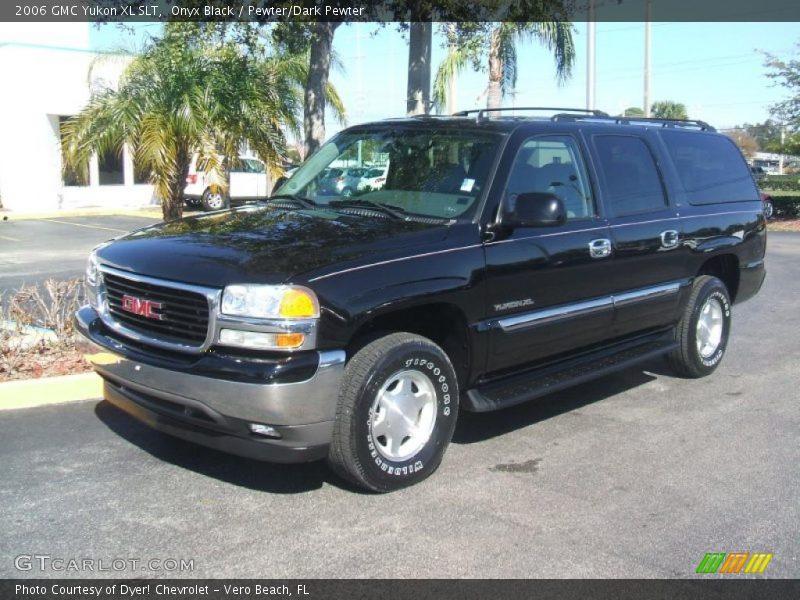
x=184, y=313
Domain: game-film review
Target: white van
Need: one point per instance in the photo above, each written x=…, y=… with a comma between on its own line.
x=248, y=182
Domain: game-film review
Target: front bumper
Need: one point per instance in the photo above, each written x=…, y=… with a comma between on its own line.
x=213, y=400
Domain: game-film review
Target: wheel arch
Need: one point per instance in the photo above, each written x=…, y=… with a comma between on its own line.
x=444, y=323
x=724, y=267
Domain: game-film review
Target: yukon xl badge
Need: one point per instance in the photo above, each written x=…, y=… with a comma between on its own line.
x=142, y=307
x=513, y=304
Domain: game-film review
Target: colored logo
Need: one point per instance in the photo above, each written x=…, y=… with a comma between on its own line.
x=142, y=307
x=734, y=562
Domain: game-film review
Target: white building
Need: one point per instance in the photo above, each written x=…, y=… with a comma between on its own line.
x=48, y=74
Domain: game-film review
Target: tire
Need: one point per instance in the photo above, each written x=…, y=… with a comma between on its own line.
x=363, y=450
x=214, y=200
x=769, y=209
x=347, y=192
x=703, y=331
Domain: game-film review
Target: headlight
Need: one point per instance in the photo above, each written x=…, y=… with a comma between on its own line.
x=269, y=302
x=92, y=280
x=92, y=271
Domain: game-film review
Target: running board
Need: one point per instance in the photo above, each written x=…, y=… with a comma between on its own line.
x=519, y=388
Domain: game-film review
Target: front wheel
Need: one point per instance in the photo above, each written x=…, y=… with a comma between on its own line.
x=702, y=333
x=396, y=413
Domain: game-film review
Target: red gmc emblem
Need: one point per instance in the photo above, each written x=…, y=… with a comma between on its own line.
x=142, y=307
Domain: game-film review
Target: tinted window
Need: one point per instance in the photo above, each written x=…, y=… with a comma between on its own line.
x=552, y=164
x=432, y=171
x=710, y=167
x=253, y=166
x=629, y=176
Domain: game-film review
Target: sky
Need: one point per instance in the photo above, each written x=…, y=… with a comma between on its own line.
x=715, y=69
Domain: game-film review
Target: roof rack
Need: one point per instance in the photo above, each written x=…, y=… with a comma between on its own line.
x=702, y=125
x=482, y=111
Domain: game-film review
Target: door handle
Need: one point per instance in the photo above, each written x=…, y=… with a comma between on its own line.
x=669, y=238
x=600, y=248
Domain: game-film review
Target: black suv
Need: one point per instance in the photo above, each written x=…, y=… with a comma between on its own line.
x=502, y=259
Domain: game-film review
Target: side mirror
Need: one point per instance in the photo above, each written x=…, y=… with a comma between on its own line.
x=533, y=209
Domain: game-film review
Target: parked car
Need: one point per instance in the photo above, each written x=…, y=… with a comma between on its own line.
x=373, y=179
x=504, y=259
x=248, y=182
x=758, y=173
x=342, y=182
x=769, y=208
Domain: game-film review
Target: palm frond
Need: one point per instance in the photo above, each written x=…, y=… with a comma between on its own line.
x=454, y=62
x=556, y=36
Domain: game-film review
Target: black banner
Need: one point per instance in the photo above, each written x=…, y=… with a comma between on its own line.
x=358, y=589
x=272, y=11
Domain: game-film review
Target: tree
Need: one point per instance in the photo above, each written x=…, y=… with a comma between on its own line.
x=315, y=90
x=633, y=111
x=766, y=134
x=316, y=40
x=667, y=109
x=498, y=42
x=786, y=74
x=418, y=85
x=184, y=95
x=746, y=142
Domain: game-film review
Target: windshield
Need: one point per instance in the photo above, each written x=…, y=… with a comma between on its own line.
x=429, y=173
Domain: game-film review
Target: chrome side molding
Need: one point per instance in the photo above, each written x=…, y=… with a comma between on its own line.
x=586, y=307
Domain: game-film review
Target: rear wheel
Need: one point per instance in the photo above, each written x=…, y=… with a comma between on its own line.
x=396, y=413
x=702, y=333
x=214, y=200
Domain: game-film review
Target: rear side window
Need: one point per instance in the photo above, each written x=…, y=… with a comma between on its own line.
x=629, y=176
x=710, y=167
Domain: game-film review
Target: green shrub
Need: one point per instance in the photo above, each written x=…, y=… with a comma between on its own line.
x=786, y=207
x=780, y=183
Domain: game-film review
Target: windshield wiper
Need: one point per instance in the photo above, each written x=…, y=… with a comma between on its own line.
x=302, y=200
x=393, y=211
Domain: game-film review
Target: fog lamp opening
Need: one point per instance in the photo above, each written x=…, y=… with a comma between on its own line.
x=265, y=430
x=260, y=340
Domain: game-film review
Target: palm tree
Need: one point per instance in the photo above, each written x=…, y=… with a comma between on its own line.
x=499, y=43
x=666, y=109
x=315, y=41
x=182, y=96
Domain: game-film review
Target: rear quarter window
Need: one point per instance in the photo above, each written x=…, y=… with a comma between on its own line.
x=710, y=168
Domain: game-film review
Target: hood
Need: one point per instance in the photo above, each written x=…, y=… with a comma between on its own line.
x=261, y=245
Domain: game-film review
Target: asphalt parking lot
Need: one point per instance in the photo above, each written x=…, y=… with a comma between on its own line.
x=638, y=474
x=33, y=250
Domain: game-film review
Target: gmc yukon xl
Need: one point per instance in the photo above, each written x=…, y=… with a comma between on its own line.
x=504, y=258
